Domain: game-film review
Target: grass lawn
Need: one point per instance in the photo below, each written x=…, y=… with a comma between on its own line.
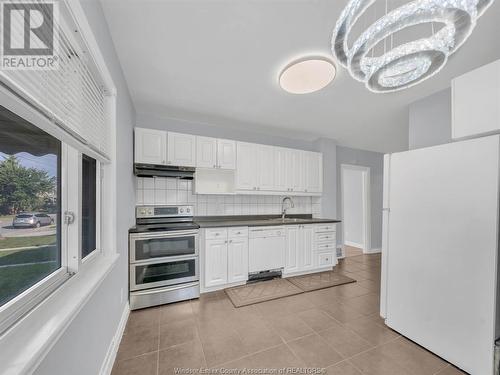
x=9, y=242
x=41, y=254
x=14, y=280
x=6, y=218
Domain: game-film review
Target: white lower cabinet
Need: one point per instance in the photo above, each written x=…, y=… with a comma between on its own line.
x=216, y=262
x=225, y=253
x=237, y=260
x=300, y=248
x=292, y=249
x=225, y=256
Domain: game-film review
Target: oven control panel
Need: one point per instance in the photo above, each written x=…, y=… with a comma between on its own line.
x=163, y=211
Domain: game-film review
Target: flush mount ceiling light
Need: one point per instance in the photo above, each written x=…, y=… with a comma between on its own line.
x=307, y=75
x=410, y=63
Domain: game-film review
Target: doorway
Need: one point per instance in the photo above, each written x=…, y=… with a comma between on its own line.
x=355, y=196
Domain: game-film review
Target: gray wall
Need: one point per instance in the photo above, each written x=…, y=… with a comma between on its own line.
x=329, y=197
x=211, y=130
x=430, y=120
x=83, y=346
x=375, y=161
x=353, y=206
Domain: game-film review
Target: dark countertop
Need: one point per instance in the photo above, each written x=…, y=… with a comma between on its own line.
x=257, y=220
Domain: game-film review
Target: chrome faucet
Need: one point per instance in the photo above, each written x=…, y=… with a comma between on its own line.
x=283, y=208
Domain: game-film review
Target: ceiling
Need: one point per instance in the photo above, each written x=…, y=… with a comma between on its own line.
x=218, y=61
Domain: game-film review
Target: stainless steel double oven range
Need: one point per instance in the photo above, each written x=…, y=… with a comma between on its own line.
x=164, y=263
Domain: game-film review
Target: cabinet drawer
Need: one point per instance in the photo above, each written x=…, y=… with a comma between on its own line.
x=325, y=237
x=238, y=232
x=215, y=233
x=325, y=259
x=324, y=228
x=325, y=246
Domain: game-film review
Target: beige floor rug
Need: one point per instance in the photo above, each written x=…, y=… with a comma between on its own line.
x=320, y=280
x=261, y=291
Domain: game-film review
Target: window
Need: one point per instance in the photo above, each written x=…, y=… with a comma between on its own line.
x=89, y=204
x=49, y=213
x=30, y=205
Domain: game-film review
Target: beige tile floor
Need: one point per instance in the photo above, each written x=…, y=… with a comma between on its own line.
x=351, y=251
x=337, y=329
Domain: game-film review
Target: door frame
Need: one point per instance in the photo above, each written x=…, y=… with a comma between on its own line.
x=366, y=246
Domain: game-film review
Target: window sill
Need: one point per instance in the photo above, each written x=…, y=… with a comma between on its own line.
x=25, y=344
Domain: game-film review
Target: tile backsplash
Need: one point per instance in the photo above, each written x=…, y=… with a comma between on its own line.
x=174, y=191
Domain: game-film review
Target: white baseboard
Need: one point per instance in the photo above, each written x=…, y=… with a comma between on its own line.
x=109, y=360
x=373, y=251
x=354, y=244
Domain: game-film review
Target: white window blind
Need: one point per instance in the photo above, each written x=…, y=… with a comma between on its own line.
x=72, y=96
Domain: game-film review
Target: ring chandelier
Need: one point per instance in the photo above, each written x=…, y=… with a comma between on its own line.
x=410, y=63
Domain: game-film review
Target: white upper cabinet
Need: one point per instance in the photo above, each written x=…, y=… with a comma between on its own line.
x=150, y=146
x=280, y=169
x=313, y=162
x=257, y=168
x=226, y=154
x=265, y=157
x=215, y=153
x=181, y=149
x=246, y=166
x=206, y=152
x=297, y=171
x=476, y=102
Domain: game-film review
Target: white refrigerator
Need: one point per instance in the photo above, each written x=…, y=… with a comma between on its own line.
x=440, y=249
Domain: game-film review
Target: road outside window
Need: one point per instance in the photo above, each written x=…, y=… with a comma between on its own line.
x=30, y=246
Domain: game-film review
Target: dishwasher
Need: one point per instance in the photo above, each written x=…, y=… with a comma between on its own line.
x=266, y=252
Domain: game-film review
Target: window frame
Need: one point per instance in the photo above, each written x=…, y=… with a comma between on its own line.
x=70, y=165
x=99, y=212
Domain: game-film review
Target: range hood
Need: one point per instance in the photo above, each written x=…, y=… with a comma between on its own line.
x=150, y=170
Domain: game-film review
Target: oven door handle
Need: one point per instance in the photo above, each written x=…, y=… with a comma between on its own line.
x=164, y=260
x=164, y=289
x=144, y=236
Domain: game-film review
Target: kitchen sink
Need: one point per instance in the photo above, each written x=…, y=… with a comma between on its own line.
x=287, y=220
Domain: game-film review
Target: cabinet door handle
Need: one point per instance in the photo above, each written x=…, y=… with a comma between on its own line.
x=230, y=241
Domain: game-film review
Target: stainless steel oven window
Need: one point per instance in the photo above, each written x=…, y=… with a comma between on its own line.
x=167, y=272
x=151, y=246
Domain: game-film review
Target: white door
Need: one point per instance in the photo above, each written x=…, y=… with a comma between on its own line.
x=237, y=260
x=280, y=169
x=226, y=154
x=442, y=250
x=181, y=149
x=215, y=262
x=206, y=152
x=292, y=249
x=265, y=156
x=314, y=172
x=246, y=166
x=306, y=247
x=150, y=146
